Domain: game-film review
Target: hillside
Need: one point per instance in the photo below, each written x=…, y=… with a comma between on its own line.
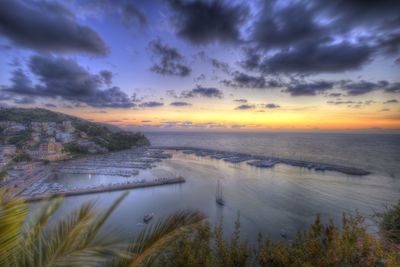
x=111, y=139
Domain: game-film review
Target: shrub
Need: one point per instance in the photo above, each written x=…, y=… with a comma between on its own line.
x=390, y=223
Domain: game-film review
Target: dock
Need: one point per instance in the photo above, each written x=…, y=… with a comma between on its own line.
x=109, y=188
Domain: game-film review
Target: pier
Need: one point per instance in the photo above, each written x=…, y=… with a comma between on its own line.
x=100, y=189
x=264, y=161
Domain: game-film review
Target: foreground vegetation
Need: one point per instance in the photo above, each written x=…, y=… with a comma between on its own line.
x=182, y=239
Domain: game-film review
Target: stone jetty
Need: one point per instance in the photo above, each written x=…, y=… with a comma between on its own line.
x=108, y=188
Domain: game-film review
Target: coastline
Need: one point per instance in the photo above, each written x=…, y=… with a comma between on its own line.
x=264, y=161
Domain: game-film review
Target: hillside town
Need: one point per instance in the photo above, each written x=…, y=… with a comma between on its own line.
x=40, y=141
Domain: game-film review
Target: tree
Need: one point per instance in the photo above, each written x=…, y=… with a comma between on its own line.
x=76, y=239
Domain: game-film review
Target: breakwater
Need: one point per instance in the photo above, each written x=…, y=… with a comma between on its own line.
x=265, y=161
x=108, y=188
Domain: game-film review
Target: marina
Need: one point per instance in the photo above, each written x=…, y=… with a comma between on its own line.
x=114, y=187
x=265, y=161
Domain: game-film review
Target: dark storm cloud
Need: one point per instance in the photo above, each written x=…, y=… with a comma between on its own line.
x=200, y=91
x=170, y=60
x=309, y=37
x=66, y=79
x=349, y=14
x=280, y=28
x=390, y=44
x=245, y=107
x=202, y=22
x=24, y=100
x=351, y=88
x=243, y=80
x=335, y=94
x=393, y=88
x=311, y=59
x=151, y=104
x=47, y=26
x=340, y=102
x=220, y=65
x=362, y=87
x=297, y=88
x=272, y=106
x=125, y=10
x=49, y=105
x=241, y=100
x=391, y=101
x=131, y=13
x=180, y=104
x=107, y=76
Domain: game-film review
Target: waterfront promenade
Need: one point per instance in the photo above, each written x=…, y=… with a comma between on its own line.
x=107, y=188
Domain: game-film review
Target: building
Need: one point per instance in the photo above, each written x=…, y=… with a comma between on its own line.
x=14, y=129
x=51, y=147
x=67, y=126
x=6, y=154
x=35, y=136
x=64, y=137
x=8, y=150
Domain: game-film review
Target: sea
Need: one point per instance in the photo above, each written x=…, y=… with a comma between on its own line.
x=269, y=201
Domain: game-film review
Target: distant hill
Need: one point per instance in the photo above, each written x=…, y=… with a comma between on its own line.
x=108, y=136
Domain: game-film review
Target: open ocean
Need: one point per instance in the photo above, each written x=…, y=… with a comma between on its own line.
x=378, y=153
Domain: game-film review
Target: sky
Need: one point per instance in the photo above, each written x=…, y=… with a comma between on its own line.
x=174, y=65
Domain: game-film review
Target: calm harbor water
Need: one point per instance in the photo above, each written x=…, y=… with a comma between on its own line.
x=268, y=200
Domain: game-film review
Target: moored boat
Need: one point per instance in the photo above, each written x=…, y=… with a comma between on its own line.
x=219, y=198
x=147, y=217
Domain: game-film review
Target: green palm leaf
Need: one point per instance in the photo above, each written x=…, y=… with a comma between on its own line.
x=12, y=215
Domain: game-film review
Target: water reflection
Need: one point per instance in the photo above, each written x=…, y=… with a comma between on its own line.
x=268, y=199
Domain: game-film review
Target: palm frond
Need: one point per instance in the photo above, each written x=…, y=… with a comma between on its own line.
x=145, y=248
x=12, y=215
x=40, y=219
x=74, y=240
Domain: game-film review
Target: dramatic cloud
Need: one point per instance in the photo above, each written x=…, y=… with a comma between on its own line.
x=199, y=91
x=65, y=79
x=202, y=22
x=340, y=102
x=170, y=60
x=391, y=101
x=296, y=88
x=272, y=106
x=107, y=76
x=131, y=13
x=180, y=104
x=220, y=65
x=283, y=27
x=335, y=94
x=151, y=104
x=47, y=26
x=245, y=107
x=310, y=59
x=393, y=88
x=49, y=105
x=362, y=87
x=24, y=101
x=243, y=80
x=124, y=10
x=241, y=100
x=308, y=37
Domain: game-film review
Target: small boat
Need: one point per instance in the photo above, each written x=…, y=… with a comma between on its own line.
x=147, y=217
x=219, y=197
x=283, y=233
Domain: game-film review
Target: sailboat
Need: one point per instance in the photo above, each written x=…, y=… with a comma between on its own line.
x=219, y=198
